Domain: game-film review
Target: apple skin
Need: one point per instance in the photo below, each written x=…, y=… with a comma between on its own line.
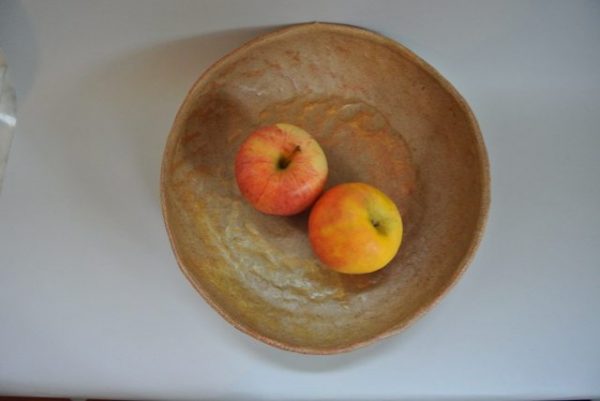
x=281, y=169
x=355, y=228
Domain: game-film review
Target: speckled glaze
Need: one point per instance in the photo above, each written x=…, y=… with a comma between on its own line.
x=382, y=116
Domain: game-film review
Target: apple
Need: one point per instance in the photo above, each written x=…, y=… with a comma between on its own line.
x=280, y=169
x=355, y=228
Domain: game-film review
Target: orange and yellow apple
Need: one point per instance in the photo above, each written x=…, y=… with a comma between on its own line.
x=355, y=228
x=280, y=169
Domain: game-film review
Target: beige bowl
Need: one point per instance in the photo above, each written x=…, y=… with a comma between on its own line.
x=383, y=116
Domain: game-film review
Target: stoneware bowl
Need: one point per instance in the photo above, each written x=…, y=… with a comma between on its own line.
x=383, y=116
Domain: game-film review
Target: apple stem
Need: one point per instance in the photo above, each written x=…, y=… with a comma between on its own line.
x=285, y=161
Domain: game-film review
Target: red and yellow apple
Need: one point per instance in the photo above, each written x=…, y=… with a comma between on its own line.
x=280, y=169
x=355, y=228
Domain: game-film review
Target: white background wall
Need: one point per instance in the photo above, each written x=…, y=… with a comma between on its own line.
x=93, y=304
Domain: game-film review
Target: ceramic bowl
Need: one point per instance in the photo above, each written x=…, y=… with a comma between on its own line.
x=383, y=116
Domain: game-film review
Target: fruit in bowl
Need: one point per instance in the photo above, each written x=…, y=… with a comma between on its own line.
x=355, y=228
x=280, y=169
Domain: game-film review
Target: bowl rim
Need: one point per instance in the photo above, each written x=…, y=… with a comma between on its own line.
x=376, y=37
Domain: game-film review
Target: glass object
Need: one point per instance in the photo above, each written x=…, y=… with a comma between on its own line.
x=8, y=118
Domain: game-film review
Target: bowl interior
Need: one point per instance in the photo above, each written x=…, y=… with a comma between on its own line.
x=383, y=117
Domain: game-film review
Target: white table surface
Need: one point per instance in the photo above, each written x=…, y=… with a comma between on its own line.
x=92, y=302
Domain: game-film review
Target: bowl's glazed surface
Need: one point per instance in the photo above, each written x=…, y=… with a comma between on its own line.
x=383, y=117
